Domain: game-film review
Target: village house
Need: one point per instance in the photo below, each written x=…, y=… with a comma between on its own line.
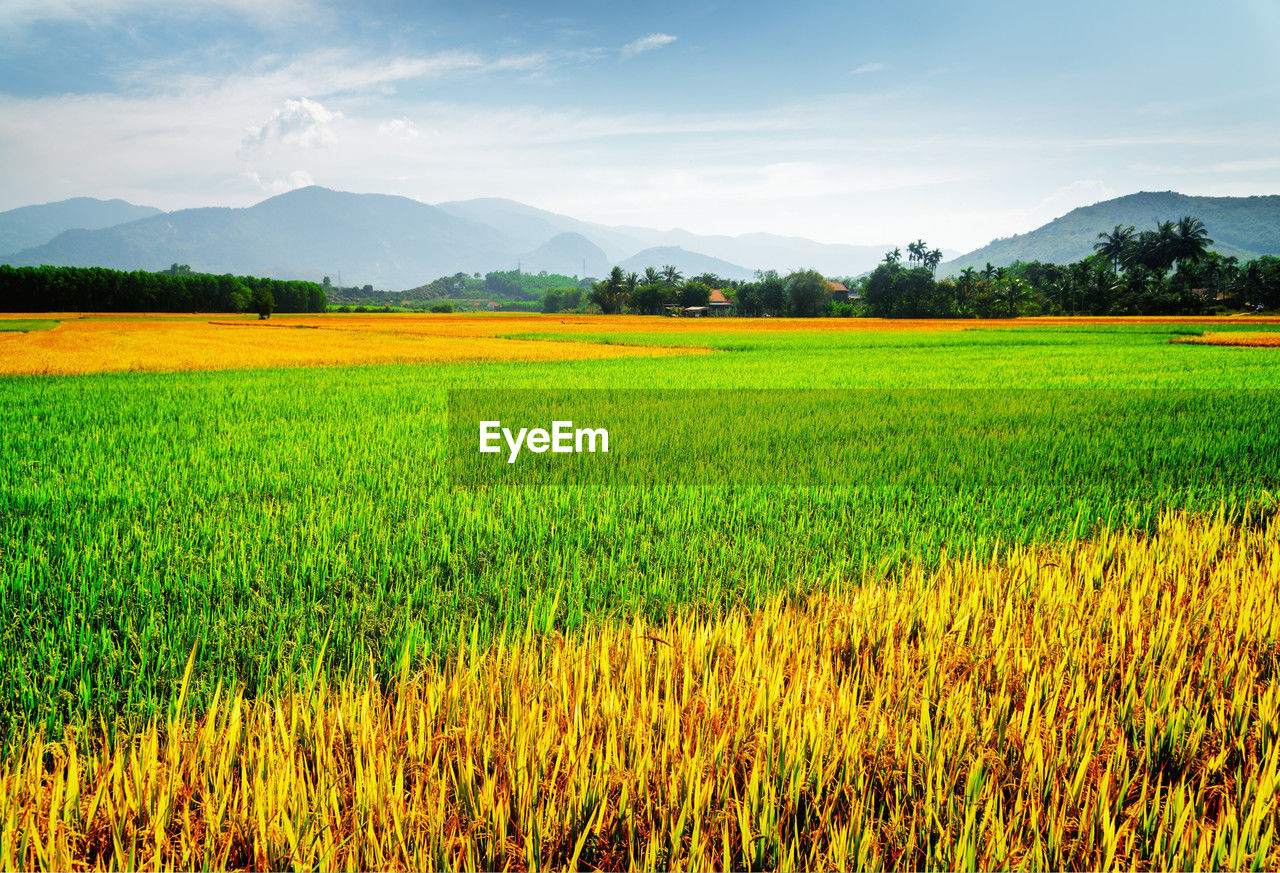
x=718, y=304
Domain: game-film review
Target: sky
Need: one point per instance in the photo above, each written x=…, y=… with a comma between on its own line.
x=845, y=122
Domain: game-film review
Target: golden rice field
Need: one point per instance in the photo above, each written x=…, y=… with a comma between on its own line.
x=88, y=343
x=1098, y=705
x=1226, y=338
x=96, y=345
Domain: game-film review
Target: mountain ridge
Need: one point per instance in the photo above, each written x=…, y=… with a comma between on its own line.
x=30, y=226
x=397, y=242
x=1244, y=227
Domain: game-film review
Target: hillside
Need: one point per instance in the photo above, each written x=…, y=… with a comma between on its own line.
x=386, y=241
x=29, y=226
x=688, y=263
x=569, y=254
x=1241, y=226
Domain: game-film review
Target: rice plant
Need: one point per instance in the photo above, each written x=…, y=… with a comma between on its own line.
x=1095, y=705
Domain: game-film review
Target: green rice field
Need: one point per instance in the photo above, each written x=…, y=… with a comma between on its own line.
x=279, y=521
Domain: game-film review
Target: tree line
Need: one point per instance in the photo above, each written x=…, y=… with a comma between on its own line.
x=657, y=290
x=1167, y=270
x=178, y=289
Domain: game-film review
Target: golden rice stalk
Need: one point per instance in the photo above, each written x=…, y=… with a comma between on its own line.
x=1101, y=705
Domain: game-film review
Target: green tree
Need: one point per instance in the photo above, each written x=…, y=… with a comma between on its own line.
x=1114, y=244
x=263, y=302
x=650, y=298
x=878, y=294
x=1190, y=240
x=610, y=294
x=750, y=300
x=694, y=294
x=809, y=293
x=773, y=292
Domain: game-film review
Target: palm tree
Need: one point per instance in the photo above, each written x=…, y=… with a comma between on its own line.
x=1160, y=254
x=1114, y=244
x=964, y=287
x=1190, y=240
x=651, y=275
x=671, y=275
x=893, y=257
x=932, y=259
x=916, y=251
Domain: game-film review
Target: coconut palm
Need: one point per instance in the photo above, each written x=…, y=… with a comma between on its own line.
x=1190, y=240
x=1114, y=244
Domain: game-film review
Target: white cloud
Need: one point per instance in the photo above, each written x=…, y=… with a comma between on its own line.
x=1251, y=166
x=17, y=13
x=1083, y=192
x=647, y=43
x=868, y=68
x=304, y=123
x=399, y=128
x=292, y=180
x=856, y=168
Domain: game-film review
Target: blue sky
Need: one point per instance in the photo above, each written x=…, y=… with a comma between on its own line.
x=850, y=122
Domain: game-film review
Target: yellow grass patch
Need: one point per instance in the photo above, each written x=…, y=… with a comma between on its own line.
x=103, y=342
x=93, y=345
x=1102, y=705
x=1218, y=338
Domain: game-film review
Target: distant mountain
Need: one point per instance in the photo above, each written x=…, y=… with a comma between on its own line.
x=528, y=226
x=1241, y=226
x=688, y=263
x=386, y=241
x=567, y=254
x=392, y=242
x=29, y=226
x=767, y=251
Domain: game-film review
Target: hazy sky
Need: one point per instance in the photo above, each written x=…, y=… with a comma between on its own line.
x=859, y=122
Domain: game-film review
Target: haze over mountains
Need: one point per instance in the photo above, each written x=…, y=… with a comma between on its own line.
x=30, y=226
x=395, y=242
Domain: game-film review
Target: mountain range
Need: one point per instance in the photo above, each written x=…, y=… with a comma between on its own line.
x=390, y=242
x=394, y=242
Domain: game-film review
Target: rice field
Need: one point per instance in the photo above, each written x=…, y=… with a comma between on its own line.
x=1022, y=614
x=113, y=344
x=1233, y=338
